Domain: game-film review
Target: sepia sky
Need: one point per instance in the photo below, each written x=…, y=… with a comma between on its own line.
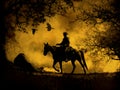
x=78, y=32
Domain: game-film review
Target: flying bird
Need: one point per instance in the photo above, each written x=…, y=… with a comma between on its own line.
x=49, y=27
x=33, y=31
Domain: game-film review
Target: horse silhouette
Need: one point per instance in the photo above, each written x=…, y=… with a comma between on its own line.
x=59, y=56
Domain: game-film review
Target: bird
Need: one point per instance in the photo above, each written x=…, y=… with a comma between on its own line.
x=49, y=27
x=33, y=31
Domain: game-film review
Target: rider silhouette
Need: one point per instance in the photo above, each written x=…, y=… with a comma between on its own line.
x=65, y=43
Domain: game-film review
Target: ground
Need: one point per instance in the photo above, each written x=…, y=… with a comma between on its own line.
x=13, y=79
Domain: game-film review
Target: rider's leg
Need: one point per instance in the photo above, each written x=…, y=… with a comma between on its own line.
x=66, y=54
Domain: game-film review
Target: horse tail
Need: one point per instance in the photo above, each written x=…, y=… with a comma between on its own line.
x=83, y=58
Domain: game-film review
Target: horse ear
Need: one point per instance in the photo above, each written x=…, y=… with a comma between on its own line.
x=47, y=43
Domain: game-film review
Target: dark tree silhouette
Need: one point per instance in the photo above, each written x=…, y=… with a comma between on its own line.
x=33, y=12
x=108, y=12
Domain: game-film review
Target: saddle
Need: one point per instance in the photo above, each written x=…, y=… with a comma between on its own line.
x=66, y=52
x=65, y=49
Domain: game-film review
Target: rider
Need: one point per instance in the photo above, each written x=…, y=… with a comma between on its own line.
x=65, y=42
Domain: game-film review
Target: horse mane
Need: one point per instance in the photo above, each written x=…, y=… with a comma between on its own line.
x=54, y=47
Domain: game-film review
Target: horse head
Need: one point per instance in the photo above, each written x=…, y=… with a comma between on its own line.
x=46, y=48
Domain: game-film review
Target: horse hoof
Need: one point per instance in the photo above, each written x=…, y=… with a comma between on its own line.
x=58, y=70
x=71, y=73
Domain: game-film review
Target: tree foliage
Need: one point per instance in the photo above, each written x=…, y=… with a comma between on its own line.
x=22, y=13
x=33, y=12
x=106, y=14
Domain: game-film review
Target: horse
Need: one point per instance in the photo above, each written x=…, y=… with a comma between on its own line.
x=59, y=56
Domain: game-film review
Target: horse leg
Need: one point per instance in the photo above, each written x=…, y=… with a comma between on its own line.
x=54, y=63
x=74, y=66
x=82, y=66
x=60, y=66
